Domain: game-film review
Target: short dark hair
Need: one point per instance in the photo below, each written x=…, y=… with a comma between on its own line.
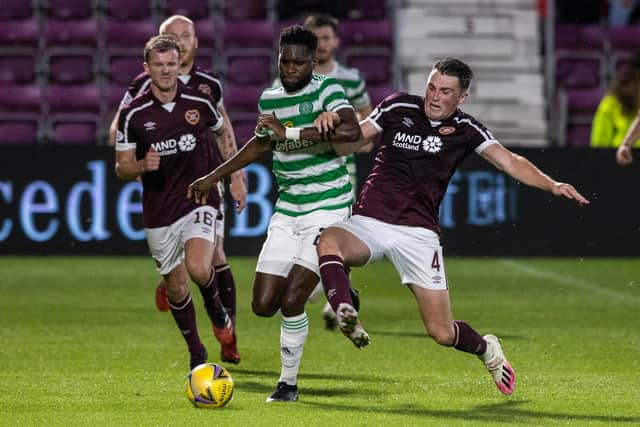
x=457, y=68
x=161, y=43
x=297, y=34
x=321, y=20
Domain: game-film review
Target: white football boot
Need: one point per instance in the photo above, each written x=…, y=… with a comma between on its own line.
x=350, y=326
x=498, y=366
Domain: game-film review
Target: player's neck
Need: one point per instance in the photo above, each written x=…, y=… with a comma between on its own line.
x=164, y=96
x=325, y=67
x=185, y=69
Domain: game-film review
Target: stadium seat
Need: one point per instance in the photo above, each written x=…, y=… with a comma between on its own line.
x=114, y=95
x=366, y=9
x=242, y=34
x=131, y=35
x=16, y=10
x=206, y=33
x=376, y=69
x=573, y=37
x=73, y=98
x=583, y=101
x=71, y=33
x=19, y=131
x=194, y=9
x=365, y=33
x=121, y=69
x=244, y=10
x=18, y=67
x=579, y=72
x=70, y=67
x=69, y=9
x=74, y=130
x=579, y=135
x=244, y=130
x=624, y=39
x=379, y=92
x=129, y=10
x=249, y=70
x=21, y=98
x=19, y=33
x=242, y=101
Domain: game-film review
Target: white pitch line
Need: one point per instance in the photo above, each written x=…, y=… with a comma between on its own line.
x=581, y=284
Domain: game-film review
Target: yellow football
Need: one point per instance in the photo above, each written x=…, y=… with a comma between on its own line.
x=209, y=386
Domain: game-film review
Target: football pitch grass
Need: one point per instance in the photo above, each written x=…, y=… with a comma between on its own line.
x=81, y=343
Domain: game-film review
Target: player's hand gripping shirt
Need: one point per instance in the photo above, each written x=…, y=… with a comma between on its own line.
x=182, y=132
x=310, y=175
x=415, y=161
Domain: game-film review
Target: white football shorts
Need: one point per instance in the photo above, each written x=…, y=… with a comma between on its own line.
x=293, y=239
x=166, y=244
x=415, y=252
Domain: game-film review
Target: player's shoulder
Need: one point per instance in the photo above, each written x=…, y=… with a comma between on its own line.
x=465, y=119
x=344, y=72
x=194, y=94
x=469, y=124
x=401, y=100
x=139, y=84
x=141, y=101
x=207, y=76
x=274, y=91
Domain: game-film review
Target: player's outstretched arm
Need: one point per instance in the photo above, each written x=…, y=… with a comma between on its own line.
x=624, y=155
x=346, y=130
x=367, y=133
x=526, y=172
x=199, y=189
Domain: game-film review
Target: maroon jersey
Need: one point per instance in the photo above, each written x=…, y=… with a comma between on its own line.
x=415, y=161
x=204, y=81
x=181, y=131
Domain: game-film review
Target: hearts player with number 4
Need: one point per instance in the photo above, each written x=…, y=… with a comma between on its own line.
x=423, y=140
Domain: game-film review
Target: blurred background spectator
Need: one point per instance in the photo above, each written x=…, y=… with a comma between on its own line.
x=618, y=108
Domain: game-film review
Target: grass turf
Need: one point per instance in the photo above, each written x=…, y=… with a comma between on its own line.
x=81, y=343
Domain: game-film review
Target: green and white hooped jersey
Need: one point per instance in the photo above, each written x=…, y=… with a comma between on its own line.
x=310, y=175
x=353, y=85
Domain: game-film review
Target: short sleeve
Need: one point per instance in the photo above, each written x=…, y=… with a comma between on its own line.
x=125, y=135
x=332, y=96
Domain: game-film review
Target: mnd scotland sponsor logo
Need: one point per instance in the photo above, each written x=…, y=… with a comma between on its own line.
x=407, y=141
x=167, y=147
x=430, y=144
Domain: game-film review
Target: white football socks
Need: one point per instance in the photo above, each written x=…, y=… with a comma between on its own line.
x=293, y=334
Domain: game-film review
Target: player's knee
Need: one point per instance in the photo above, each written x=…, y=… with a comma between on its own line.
x=263, y=307
x=292, y=304
x=199, y=271
x=327, y=244
x=177, y=290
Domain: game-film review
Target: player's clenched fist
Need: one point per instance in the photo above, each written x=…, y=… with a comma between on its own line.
x=151, y=161
x=199, y=189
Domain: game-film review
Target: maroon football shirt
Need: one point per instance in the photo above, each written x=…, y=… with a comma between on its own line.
x=181, y=131
x=204, y=81
x=415, y=161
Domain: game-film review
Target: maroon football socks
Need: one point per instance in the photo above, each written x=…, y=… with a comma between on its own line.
x=335, y=280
